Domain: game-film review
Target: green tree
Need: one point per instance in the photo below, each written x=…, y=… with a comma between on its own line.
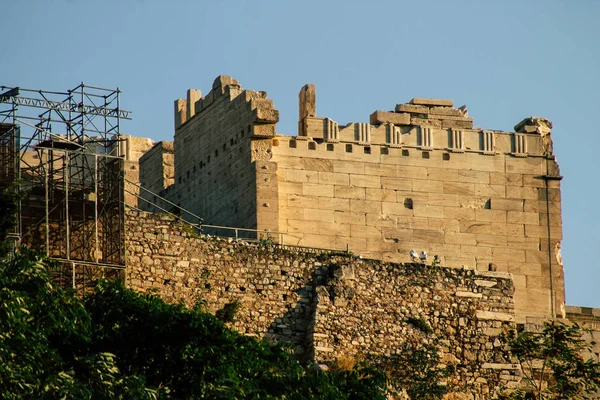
x=553, y=362
x=416, y=370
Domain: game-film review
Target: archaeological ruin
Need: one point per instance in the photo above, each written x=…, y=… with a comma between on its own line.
x=419, y=177
x=332, y=239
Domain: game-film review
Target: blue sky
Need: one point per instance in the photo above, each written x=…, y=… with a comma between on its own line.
x=505, y=60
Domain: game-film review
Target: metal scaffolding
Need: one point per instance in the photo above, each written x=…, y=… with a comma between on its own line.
x=63, y=150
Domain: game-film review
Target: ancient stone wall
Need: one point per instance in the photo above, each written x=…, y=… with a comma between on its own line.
x=421, y=178
x=217, y=164
x=132, y=148
x=156, y=176
x=331, y=305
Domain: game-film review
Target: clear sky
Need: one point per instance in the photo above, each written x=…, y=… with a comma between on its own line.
x=506, y=60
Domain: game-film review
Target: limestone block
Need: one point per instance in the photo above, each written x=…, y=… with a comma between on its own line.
x=193, y=96
x=265, y=116
x=459, y=188
x=498, y=203
x=491, y=240
x=526, y=193
x=299, y=201
x=367, y=232
x=409, y=222
x=533, y=181
x=293, y=212
x=504, y=254
x=464, y=123
x=428, y=186
x=411, y=108
x=382, y=117
x=532, y=301
x=393, y=208
x=350, y=167
x=354, y=245
x=412, y=172
x=307, y=101
x=302, y=226
x=380, y=220
x=428, y=236
x=475, y=161
x=522, y=242
x=445, y=250
x=511, y=230
x=536, y=256
x=519, y=268
x=540, y=231
x=311, y=214
x=426, y=210
x=316, y=189
x=380, y=169
x=317, y=240
x=267, y=130
x=335, y=203
x=349, y=192
x=395, y=183
x=334, y=229
x=475, y=227
x=290, y=187
x=491, y=215
x=333, y=178
x=490, y=190
x=373, y=194
x=555, y=220
x=317, y=164
x=528, y=165
x=369, y=181
x=180, y=112
x=439, y=199
x=521, y=217
x=345, y=217
x=442, y=174
x=470, y=176
x=497, y=316
x=551, y=194
x=293, y=175
x=459, y=213
x=440, y=224
x=380, y=246
x=502, y=178
x=467, y=251
x=365, y=206
x=431, y=102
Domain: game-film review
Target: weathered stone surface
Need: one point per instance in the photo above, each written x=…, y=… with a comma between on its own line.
x=328, y=305
x=432, y=102
x=381, y=117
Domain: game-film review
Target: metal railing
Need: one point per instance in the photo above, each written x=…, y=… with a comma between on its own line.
x=265, y=236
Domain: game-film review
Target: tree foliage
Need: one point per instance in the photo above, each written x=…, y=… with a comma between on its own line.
x=553, y=362
x=416, y=370
x=119, y=344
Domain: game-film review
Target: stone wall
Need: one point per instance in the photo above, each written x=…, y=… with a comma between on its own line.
x=217, y=162
x=157, y=174
x=421, y=177
x=331, y=305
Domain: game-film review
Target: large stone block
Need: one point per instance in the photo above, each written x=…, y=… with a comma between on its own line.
x=382, y=117
x=431, y=102
x=316, y=189
x=349, y=192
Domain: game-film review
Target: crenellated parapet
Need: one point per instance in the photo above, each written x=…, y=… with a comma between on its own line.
x=428, y=125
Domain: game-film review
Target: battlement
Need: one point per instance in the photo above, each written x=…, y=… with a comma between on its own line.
x=424, y=124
